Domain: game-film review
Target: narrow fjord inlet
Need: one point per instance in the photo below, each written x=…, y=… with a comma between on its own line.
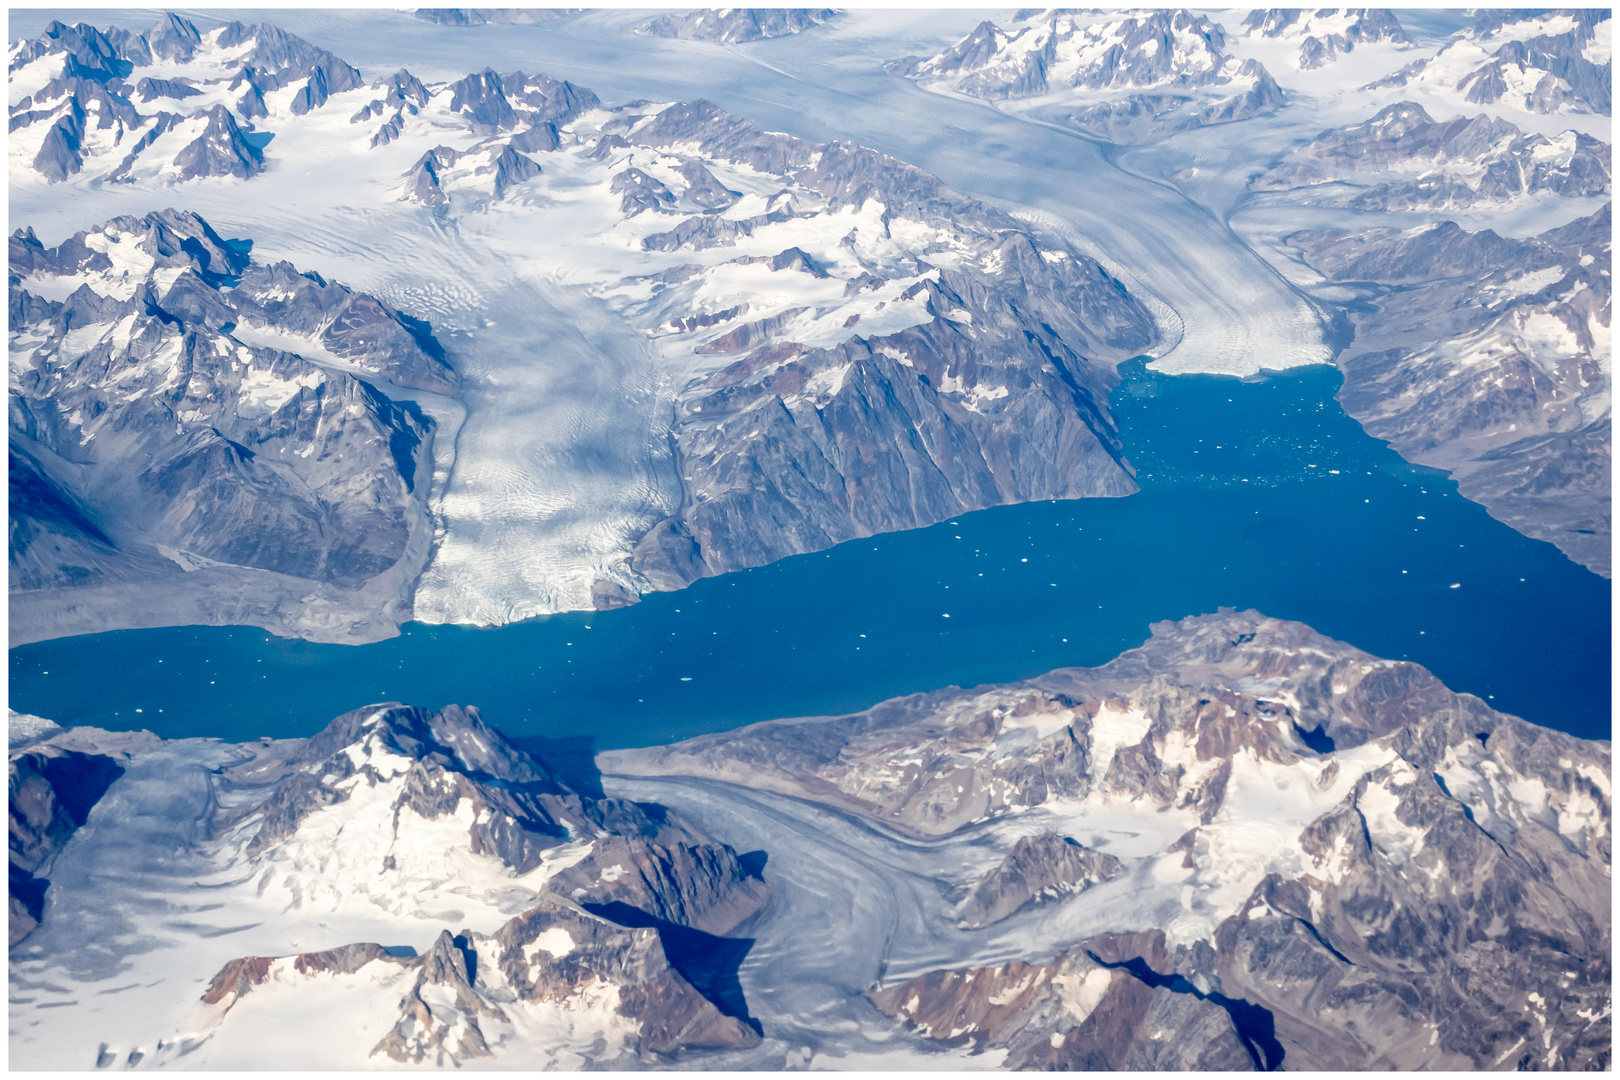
x=1258, y=494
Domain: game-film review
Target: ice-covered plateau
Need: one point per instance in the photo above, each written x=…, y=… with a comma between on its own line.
x=1545, y=61
x=1123, y=76
x=1491, y=358
x=199, y=438
x=813, y=342
x=1240, y=845
x=236, y=894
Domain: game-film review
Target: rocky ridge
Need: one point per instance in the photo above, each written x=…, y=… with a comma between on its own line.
x=1329, y=860
x=1038, y=868
x=165, y=436
x=735, y=25
x=491, y=16
x=1124, y=77
x=1545, y=61
x=77, y=95
x=1488, y=357
x=1325, y=34
x=827, y=432
x=1402, y=159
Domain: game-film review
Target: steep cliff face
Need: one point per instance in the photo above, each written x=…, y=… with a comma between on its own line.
x=1294, y=853
x=51, y=792
x=1489, y=358
x=193, y=438
x=910, y=355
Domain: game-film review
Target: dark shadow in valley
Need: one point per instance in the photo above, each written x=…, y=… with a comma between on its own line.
x=1316, y=738
x=708, y=962
x=1256, y=1027
x=572, y=758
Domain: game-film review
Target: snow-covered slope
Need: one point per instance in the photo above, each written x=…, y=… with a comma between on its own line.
x=292, y=861
x=1535, y=61
x=76, y=95
x=1325, y=34
x=1324, y=859
x=1124, y=76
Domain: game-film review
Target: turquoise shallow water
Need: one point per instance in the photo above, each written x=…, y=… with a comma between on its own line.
x=1254, y=494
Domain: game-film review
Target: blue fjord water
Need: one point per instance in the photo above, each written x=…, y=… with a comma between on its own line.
x=1259, y=494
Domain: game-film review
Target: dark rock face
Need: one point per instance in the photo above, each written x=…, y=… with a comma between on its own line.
x=1071, y=1014
x=1484, y=357
x=1455, y=163
x=733, y=25
x=1439, y=898
x=155, y=445
x=896, y=430
x=1038, y=868
x=221, y=150
x=51, y=792
x=94, y=91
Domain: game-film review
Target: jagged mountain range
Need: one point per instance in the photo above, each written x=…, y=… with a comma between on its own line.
x=78, y=104
x=1126, y=77
x=174, y=459
x=373, y=824
x=1325, y=34
x=1403, y=159
x=1309, y=858
x=735, y=25
x=1488, y=357
x=1544, y=61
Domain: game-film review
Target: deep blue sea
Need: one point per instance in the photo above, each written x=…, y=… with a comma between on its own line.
x=1255, y=494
